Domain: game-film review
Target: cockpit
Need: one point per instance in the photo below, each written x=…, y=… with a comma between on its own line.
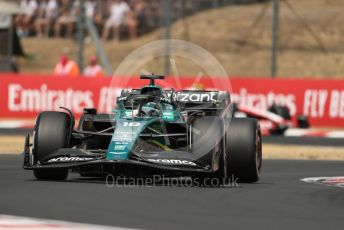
x=149, y=101
x=146, y=106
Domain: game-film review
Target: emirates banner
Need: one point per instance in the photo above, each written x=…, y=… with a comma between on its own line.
x=23, y=96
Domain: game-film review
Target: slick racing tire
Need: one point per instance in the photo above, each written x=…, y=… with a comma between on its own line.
x=207, y=134
x=282, y=111
x=302, y=122
x=244, y=150
x=52, y=132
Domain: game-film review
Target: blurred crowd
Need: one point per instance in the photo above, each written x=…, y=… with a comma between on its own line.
x=113, y=18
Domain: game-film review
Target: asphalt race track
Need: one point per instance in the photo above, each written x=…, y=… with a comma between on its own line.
x=279, y=201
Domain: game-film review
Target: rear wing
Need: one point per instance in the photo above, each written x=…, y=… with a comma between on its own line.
x=202, y=100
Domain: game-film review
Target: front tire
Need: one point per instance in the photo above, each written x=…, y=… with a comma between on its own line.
x=52, y=132
x=244, y=150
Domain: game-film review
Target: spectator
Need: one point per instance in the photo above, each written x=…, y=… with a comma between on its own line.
x=119, y=11
x=131, y=18
x=24, y=20
x=90, y=8
x=139, y=9
x=66, y=67
x=47, y=13
x=93, y=69
x=138, y=16
x=96, y=10
x=67, y=18
x=153, y=13
x=99, y=16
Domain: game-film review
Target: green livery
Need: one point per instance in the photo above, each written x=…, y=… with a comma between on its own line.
x=188, y=133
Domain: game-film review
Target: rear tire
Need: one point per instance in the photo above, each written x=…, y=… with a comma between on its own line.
x=302, y=122
x=244, y=150
x=52, y=132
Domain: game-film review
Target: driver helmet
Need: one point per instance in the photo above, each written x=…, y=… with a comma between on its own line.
x=150, y=109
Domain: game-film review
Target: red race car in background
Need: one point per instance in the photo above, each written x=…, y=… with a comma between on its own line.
x=275, y=120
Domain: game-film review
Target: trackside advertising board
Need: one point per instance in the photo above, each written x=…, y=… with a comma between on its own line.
x=23, y=96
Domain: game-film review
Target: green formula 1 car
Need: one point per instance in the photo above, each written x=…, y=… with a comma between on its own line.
x=151, y=131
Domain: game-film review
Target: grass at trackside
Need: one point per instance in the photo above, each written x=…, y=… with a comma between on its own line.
x=222, y=32
x=15, y=144
x=12, y=144
x=276, y=151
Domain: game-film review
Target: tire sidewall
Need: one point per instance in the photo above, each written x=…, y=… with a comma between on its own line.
x=52, y=131
x=244, y=149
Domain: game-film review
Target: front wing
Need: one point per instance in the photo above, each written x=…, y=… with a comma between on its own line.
x=79, y=159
